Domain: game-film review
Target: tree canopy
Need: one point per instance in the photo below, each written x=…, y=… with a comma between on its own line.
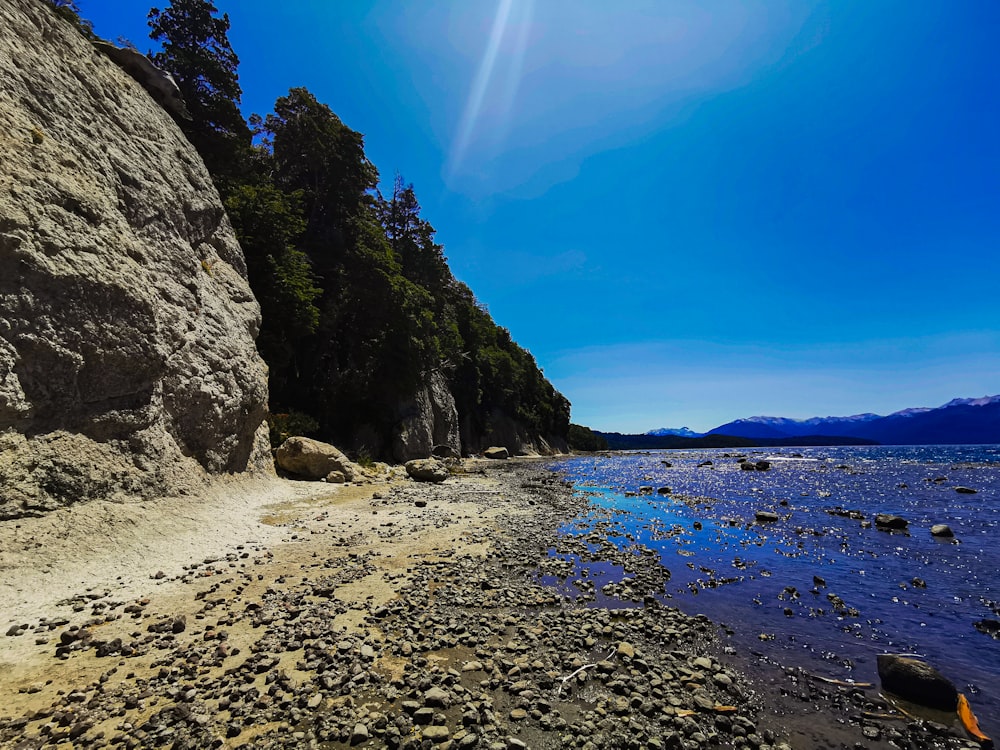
x=197, y=53
x=359, y=305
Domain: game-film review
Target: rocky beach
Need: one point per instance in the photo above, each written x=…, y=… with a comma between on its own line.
x=389, y=614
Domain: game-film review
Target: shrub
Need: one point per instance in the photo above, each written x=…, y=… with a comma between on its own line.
x=283, y=426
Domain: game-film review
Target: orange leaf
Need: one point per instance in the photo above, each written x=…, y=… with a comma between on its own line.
x=969, y=719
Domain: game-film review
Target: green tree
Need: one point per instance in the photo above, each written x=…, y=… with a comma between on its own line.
x=582, y=438
x=412, y=238
x=196, y=51
x=268, y=224
x=314, y=152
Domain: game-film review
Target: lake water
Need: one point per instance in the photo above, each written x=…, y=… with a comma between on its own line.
x=906, y=592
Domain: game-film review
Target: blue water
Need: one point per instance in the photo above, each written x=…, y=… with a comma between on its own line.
x=758, y=578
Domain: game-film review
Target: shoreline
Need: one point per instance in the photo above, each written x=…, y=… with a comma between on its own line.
x=369, y=616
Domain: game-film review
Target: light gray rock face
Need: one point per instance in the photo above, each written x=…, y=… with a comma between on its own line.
x=506, y=431
x=427, y=420
x=127, y=358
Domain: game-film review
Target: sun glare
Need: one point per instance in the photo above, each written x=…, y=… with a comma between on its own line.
x=512, y=63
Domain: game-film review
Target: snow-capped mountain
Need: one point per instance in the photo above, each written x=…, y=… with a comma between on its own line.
x=679, y=431
x=961, y=420
x=984, y=401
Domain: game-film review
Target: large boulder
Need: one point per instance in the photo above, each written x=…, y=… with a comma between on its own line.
x=496, y=453
x=127, y=359
x=427, y=470
x=314, y=459
x=428, y=421
x=916, y=681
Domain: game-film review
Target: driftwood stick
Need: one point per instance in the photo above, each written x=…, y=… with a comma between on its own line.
x=841, y=683
x=575, y=672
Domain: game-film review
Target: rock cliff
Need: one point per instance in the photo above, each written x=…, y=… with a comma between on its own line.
x=127, y=358
x=428, y=419
x=504, y=430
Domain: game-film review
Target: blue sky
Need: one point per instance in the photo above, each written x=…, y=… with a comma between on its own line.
x=689, y=212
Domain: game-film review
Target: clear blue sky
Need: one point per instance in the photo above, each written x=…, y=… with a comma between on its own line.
x=689, y=212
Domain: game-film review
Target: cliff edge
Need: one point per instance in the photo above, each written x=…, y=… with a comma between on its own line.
x=127, y=359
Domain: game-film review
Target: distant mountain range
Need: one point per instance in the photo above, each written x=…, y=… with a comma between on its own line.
x=962, y=420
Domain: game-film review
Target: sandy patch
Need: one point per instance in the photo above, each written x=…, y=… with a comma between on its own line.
x=118, y=547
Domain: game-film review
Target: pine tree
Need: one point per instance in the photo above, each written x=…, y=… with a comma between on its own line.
x=196, y=51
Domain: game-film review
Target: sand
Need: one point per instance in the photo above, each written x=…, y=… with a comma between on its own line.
x=119, y=547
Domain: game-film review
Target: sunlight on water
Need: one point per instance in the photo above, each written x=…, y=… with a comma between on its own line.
x=821, y=586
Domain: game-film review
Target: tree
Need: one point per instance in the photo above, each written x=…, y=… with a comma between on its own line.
x=412, y=238
x=582, y=438
x=196, y=51
x=268, y=223
x=314, y=152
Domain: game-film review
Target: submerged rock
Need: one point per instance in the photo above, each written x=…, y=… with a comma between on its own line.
x=916, y=681
x=766, y=516
x=942, y=530
x=888, y=521
x=989, y=627
x=965, y=490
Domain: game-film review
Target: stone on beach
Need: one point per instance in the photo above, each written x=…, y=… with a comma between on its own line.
x=427, y=470
x=916, y=681
x=437, y=698
x=445, y=451
x=313, y=459
x=496, y=452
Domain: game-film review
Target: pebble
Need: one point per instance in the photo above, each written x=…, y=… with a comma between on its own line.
x=478, y=649
x=436, y=733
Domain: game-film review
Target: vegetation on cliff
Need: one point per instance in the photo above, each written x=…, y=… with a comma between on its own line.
x=582, y=438
x=359, y=305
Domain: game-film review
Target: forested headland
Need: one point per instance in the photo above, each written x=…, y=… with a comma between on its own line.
x=360, y=309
